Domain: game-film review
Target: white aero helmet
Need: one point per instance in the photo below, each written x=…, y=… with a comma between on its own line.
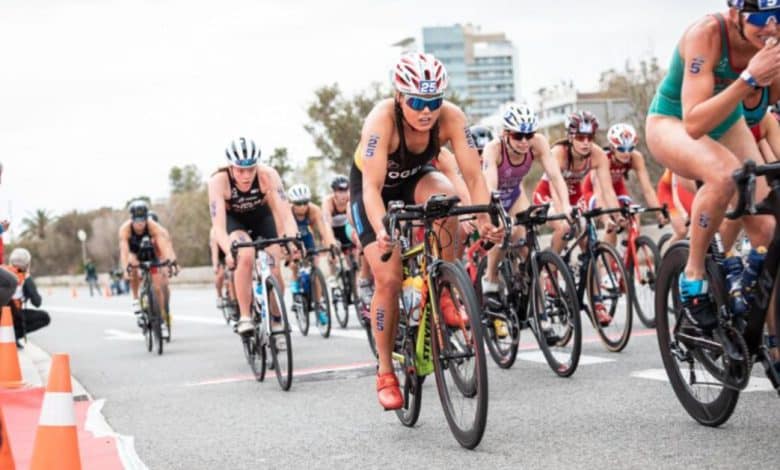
x=20, y=258
x=299, y=194
x=622, y=137
x=242, y=152
x=520, y=118
x=417, y=73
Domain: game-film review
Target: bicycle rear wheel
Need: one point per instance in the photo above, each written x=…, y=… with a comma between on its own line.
x=663, y=241
x=279, y=342
x=608, y=288
x=502, y=332
x=155, y=322
x=706, y=400
x=459, y=360
x=320, y=302
x=648, y=259
x=556, y=314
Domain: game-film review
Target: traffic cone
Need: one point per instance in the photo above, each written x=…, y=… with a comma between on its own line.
x=56, y=440
x=6, y=457
x=10, y=372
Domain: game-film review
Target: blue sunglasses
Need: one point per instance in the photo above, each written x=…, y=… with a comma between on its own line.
x=623, y=149
x=418, y=104
x=762, y=18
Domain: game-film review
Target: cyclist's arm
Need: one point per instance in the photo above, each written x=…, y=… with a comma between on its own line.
x=218, y=210
x=449, y=167
x=603, y=177
x=372, y=152
x=323, y=228
x=277, y=201
x=771, y=129
x=326, y=215
x=489, y=165
x=455, y=128
x=644, y=179
x=124, y=245
x=163, y=240
x=703, y=111
x=560, y=193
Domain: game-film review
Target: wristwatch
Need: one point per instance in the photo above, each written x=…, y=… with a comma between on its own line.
x=745, y=75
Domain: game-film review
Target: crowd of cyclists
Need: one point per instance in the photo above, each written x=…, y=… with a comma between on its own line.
x=711, y=112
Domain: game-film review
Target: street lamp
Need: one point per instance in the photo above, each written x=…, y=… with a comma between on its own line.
x=82, y=236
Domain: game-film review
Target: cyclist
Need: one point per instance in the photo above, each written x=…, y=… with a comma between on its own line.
x=695, y=127
x=400, y=137
x=247, y=202
x=307, y=215
x=133, y=236
x=218, y=264
x=623, y=157
x=576, y=156
x=482, y=135
x=507, y=160
x=677, y=193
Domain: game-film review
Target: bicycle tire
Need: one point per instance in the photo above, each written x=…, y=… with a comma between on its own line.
x=256, y=352
x=342, y=314
x=323, y=302
x=663, y=240
x=282, y=360
x=147, y=316
x=155, y=320
x=614, y=339
x=451, y=277
x=504, y=353
x=713, y=412
x=302, y=313
x=560, y=309
x=644, y=288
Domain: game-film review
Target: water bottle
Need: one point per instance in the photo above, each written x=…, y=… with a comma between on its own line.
x=733, y=268
x=305, y=279
x=753, y=265
x=412, y=294
x=259, y=298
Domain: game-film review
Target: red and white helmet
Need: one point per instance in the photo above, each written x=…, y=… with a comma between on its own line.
x=417, y=73
x=622, y=135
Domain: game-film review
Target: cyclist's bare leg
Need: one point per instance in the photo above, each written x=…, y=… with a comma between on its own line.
x=384, y=304
x=679, y=227
x=447, y=229
x=219, y=281
x=242, y=275
x=518, y=232
x=703, y=159
x=275, y=259
x=135, y=279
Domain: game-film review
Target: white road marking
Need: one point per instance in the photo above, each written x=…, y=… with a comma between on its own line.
x=128, y=314
x=96, y=424
x=757, y=384
x=119, y=335
x=538, y=356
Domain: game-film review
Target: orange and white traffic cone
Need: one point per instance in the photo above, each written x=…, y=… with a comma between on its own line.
x=56, y=441
x=6, y=457
x=10, y=372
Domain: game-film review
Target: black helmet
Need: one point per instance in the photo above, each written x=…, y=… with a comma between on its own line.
x=339, y=182
x=139, y=210
x=481, y=135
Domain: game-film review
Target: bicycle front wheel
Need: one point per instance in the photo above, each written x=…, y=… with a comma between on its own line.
x=556, y=314
x=341, y=295
x=320, y=302
x=155, y=321
x=502, y=331
x=279, y=341
x=643, y=275
x=610, y=297
x=459, y=358
x=705, y=399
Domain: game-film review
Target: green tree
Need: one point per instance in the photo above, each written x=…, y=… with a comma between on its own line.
x=336, y=122
x=280, y=161
x=184, y=179
x=188, y=223
x=36, y=224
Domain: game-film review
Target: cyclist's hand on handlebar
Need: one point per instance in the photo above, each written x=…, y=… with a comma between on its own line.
x=384, y=242
x=488, y=231
x=661, y=219
x=230, y=263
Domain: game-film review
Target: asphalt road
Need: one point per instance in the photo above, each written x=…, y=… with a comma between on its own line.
x=197, y=406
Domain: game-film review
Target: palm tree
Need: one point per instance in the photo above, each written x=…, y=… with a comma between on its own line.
x=35, y=225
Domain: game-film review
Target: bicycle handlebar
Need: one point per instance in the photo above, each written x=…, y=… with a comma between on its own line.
x=262, y=243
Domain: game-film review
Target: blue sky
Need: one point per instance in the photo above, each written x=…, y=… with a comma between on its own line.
x=100, y=98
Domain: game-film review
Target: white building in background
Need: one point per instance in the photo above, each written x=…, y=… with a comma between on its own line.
x=481, y=66
x=553, y=104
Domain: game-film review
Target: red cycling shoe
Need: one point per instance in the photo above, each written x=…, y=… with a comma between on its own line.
x=389, y=392
x=602, y=316
x=453, y=316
